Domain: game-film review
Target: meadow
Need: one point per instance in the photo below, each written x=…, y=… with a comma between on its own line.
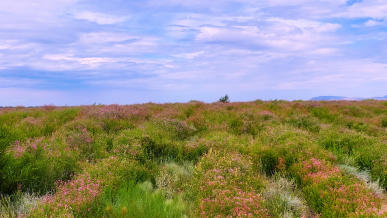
x=246, y=159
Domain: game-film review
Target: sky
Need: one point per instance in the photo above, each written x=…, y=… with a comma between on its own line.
x=72, y=52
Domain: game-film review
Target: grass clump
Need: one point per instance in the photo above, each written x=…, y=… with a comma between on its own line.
x=138, y=200
x=283, y=200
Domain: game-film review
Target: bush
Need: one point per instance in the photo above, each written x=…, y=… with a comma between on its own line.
x=269, y=161
x=344, y=143
x=322, y=114
x=376, y=162
x=362, y=150
x=136, y=200
x=224, y=99
x=18, y=204
x=78, y=196
x=331, y=193
x=245, y=124
x=358, y=126
x=282, y=199
x=172, y=177
x=384, y=122
x=116, y=125
x=32, y=167
x=305, y=123
x=225, y=184
x=83, y=136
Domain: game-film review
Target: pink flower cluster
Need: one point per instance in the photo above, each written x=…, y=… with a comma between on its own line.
x=233, y=202
x=82, y=137
x=74, y=194
x=30, y=145
x=341, y=194
x=117, y=112
x=226, y=191
x=317, y=170
x=353, y=198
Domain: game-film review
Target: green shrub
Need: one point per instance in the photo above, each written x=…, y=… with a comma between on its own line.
x=154, y=144
x=366, y=158
x=358, y=126
x=283, y=200
x=269, y=161
x=156, y=149
x=83, y=136
x=332, y=193
x=322, y=114
x=225, y=184
x=245, y=124
x=384, y=122
x=172, y=177
x=224, y=99
x=136, y=200
x=32, y=167
x=305, y=123
x=78, y=196
x=18, y=204
x=355, y=111
x=344, y=143
x=368, y=154
x=116, y=125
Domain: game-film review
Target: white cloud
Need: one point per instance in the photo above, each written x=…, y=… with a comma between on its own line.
x=26, y=14
x=277, y=33
x=105, y=37
x=376, y=9
x=372, y=23
x=191, y=55
x=99, y=18
x=305, y=25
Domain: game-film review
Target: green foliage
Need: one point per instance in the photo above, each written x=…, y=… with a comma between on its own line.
x=384, y=122
x=245, y=124
x=358, y=126
x=355, y=111
x=305, y=123
x=332, y=193
x=343, y=143
x=362, y=149
x=322, y=114
x=269, y=159
x=224, y=99
x=140, y=200
x=225, y=184
x=254, y=159
x=35, y=170
x=283, y=199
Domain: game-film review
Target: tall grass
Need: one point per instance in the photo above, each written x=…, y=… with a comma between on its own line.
x=257, y=159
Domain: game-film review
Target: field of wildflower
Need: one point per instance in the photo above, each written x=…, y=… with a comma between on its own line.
x=246, y=159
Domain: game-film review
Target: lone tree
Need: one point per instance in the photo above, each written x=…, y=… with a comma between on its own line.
x=224, y=99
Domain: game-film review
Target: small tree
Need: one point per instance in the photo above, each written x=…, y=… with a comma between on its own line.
x=224, y=99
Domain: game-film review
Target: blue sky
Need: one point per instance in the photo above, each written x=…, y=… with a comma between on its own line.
x=70, y=52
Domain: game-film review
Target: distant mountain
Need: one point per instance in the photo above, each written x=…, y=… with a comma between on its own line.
x=381, y=98
x=339, y=98
x=328, y=98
